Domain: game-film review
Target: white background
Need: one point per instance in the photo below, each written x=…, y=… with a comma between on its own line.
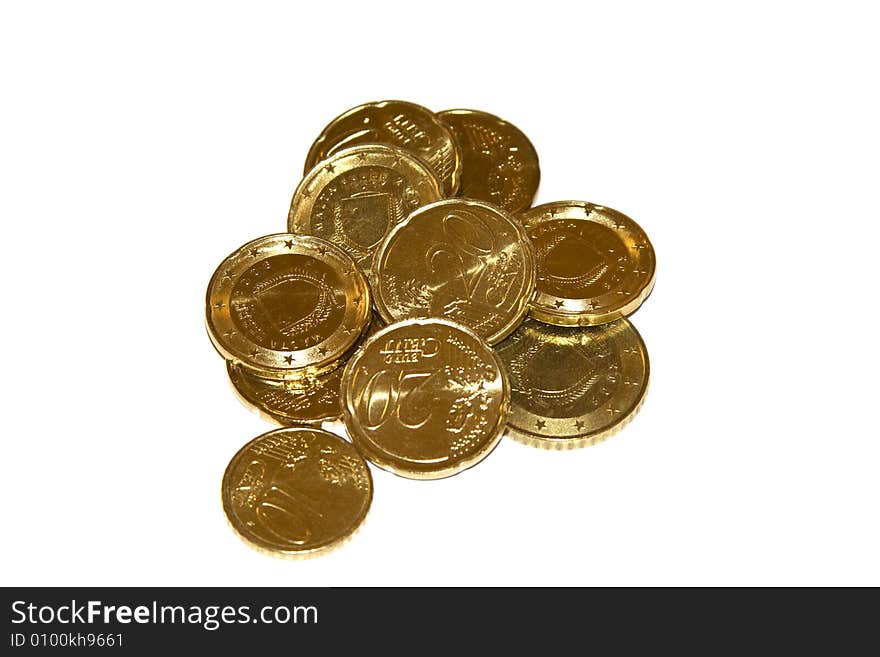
x=139, y=144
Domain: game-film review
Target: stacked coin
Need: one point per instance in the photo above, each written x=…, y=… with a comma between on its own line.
x=418, y=297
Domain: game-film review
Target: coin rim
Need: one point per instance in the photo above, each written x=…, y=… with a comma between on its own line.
x=403, y=162
x=277, y=369
x=366, y=446
x=461, y=111
x=264, y=546
x=533, y=439
x=551, y=315
x=529, y=261
x=454, y=176
x=235, y=372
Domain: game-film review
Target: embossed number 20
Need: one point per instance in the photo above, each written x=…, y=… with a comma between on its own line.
x=387, y=396
x=469, y=244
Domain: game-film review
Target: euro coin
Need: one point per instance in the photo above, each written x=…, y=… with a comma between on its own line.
x=409, y=126
x=595, y=264
x=573, y=386
x=355, y=196
x=425, y=398
x=459, y=259
x=498, y=162
x=287, y=305
x=296, y=491
x=312, y=400
x=309, y=400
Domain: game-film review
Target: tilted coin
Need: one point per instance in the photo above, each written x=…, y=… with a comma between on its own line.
x=310, y=400
x=425, y=398
x=460, y=259
x=594, y=264
x=355, y=196
x=498, y=162
x=285, y=305
x=296, y=491
x=573, y=386
x=409, y=126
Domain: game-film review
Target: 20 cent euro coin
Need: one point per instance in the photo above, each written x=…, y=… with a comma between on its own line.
x=425, y=398
x=459, y=259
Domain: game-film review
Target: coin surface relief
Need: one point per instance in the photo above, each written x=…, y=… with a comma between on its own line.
x=312, y=399
x=459, y=259
x=399, y=123
x=425, y=398
x=285, y=304
x=296, y=491
x=573, y=386
x=594, y=264
x=498, y=162
x=355, y=196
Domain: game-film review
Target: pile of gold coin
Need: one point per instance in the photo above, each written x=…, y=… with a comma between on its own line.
x=419, y=299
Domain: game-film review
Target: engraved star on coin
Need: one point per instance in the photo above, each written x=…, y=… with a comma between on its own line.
x=288, y=244
x=288, y=359
x=329, y=168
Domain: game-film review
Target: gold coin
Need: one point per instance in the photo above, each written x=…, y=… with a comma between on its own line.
x=296, y=491
x=463, y=260
x=354, y=197
x=498, y=162
x=285, y=305
x=406, y=125
x=573, y=386
x=425, y=398
x=595, y=264
x=311, y=400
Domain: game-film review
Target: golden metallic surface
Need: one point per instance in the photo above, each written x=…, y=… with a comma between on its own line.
x=287, y=305
x=409, y=126
x=463, y=260
x=354, y=197
x=296, y=491
x=573, y=386
x=498, y=162
x=425, y=398
x=310, y=400
x=595, y=264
